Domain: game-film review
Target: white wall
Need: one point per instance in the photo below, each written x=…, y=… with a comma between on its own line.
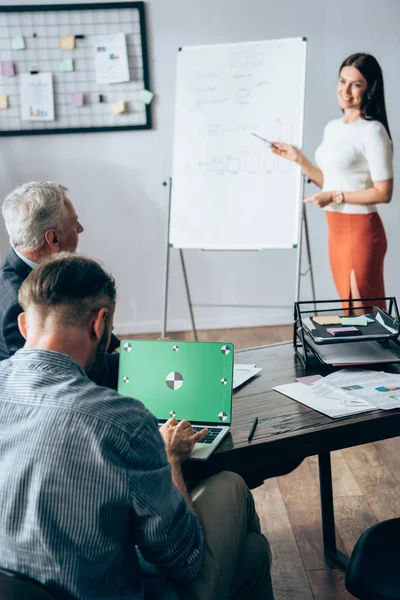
x=116, y=179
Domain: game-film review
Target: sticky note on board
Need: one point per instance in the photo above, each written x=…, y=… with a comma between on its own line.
x=67, y=65
x=3, y=101
x=331, y=320
x=117, y=108
x=67, y=42
x=18, y=42
x=146, y=96
x=7, y=68
x=77, y=99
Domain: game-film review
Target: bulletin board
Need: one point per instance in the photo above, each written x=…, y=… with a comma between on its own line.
x=41, y=28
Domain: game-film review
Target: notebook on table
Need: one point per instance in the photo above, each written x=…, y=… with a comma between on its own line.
x=184, y=380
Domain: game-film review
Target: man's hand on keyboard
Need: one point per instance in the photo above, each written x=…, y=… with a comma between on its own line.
x=180, y=438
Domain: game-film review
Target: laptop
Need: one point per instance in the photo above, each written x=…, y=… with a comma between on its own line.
x=184, y=380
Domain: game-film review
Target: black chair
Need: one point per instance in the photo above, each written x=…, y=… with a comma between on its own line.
x=374, y=570
x=15, y=586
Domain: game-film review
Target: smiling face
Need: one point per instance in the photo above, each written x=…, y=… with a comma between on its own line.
x=352, y=86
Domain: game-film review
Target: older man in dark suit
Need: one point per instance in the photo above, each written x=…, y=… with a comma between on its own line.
x=40, y=220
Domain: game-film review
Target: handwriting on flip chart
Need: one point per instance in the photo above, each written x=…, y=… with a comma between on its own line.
x=248, y=156
x=230, y=98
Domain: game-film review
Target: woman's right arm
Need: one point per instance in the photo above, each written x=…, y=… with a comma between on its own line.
x=293, y=154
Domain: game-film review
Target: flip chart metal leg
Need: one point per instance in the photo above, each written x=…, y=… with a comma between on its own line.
x=308, y=248
x=166, y=265
x=166, y=275
x=298, y=258
x=188, y=294
x=299, y=274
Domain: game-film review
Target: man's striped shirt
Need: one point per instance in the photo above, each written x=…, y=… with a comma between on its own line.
x=84, y=479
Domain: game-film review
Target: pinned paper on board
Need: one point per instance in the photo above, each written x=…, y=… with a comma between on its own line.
x=146, y=96
x=18, y=42
x=67, y=42
x=118, y=108
x=37, y=97
x=67, y=65
x=3, y=101
x=7, y=68
x=111, y=59
x=77, y=99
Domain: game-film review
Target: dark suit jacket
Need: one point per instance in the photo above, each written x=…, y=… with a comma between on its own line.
x=13, y=272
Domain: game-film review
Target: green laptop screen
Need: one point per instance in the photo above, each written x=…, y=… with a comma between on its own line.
x=185, y=380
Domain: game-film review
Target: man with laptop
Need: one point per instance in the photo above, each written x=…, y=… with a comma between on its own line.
x=89, y=489
x=182, y=380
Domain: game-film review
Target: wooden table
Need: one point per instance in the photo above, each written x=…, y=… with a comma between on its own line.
x=288, y=430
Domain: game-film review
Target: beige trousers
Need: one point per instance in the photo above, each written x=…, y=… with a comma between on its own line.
x=237, y=556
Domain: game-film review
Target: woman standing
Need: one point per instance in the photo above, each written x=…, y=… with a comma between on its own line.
x=355, y=173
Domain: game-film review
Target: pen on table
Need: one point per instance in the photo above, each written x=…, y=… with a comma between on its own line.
x=252, y=429
x=265, y=140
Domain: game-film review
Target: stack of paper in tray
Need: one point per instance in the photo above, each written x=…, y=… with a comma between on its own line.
x=346, y=392
x=356, y=353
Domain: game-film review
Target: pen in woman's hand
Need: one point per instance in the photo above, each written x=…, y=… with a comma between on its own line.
x=265, y=140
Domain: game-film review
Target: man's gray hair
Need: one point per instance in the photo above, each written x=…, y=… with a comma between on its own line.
x=32, y=209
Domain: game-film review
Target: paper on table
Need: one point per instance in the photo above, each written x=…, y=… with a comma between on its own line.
x=67, y=42
x=3, y=101
x=18, y=42
x=7, y=68
x=309, y=380
x=111, y=58
x=378, y=388
x=330, y=406
x=353, y=353
x=242, y=373
x=332, y=320
x=326, y=388
x=37, y=97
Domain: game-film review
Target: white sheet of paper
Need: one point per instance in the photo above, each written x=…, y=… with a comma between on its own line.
x=37, y=97
x=330, y=406
x=378, y=388
x=111, y=58
x=242, y=373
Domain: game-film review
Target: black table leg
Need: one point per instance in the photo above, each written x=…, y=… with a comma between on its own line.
x=332, y=554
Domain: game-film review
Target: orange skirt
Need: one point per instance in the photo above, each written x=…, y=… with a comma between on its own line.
x=357, y=243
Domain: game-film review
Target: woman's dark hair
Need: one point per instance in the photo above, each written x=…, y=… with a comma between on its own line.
x=373, y=103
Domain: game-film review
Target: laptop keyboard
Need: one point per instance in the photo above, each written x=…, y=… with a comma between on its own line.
x=213, y=432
